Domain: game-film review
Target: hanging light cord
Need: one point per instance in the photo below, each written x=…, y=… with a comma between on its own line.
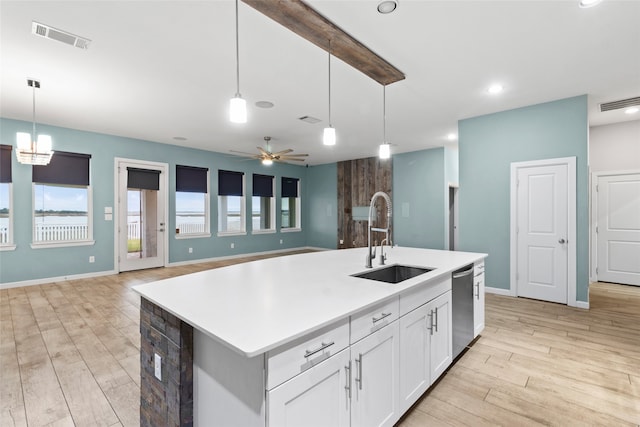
x=329, y=83
x=384, y=114
x=237, y=55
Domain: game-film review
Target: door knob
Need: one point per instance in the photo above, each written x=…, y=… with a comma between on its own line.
x=561, y=241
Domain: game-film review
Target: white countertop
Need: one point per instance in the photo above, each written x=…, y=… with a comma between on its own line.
x=257, y=306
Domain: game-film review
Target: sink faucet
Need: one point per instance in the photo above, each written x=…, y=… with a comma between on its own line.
x=371, y=253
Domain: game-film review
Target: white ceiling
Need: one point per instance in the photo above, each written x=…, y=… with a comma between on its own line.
x=156, y=70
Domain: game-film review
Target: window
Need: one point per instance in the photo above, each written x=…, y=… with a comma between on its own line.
x=192, y=201
x=262, y=205
x=62, y=200
x=6, y=223
x=290, y=204
x=231, y=210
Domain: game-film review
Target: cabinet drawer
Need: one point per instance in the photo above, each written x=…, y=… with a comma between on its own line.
x=374, y=318
x=291, y=359
x=421, y=294
x=478, y=269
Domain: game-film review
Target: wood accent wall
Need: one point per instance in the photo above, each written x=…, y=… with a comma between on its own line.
x=358, y=180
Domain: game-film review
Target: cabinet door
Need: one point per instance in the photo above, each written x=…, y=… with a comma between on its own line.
x=478, y=304
x=440, y=334
x=375, y=365
x=317, y=397
x=414, y=356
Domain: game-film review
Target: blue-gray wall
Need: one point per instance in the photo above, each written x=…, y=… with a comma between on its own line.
x=322, y=206
x=419, y=199
x=487, y=147
x=25, y=263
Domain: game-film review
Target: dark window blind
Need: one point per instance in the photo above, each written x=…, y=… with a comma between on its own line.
x=143, y=179
x=229, y=183
x=191, y=179
x=64, y=168
x=262, y=185
x=289, y=187
x=5, y=163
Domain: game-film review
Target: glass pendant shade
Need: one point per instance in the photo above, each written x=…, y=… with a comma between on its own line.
x=238, y=110
x=329, y=136
x=384, y=151
x=32, y=152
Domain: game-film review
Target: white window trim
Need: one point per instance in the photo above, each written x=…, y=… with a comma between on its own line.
x=10, y=245
x=290, y=230
x=207, y=215
x=264, y=231
x=62, y=243
x=243, y=214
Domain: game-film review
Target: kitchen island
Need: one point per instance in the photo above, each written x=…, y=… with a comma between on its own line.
x=270, y=341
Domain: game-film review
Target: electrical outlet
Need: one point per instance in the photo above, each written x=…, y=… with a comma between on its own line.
x=157, y=366
x=341, y=241
x=92, y=259
x=190, y=250
x=233, y=245
x=280, y=241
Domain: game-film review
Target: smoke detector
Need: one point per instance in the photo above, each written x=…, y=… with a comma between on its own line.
x=65, y=37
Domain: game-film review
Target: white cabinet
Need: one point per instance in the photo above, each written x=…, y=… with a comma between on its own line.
x=425, y=348
x=478, y=299
x=317, y=397
x=440, y=335
x=375, y=374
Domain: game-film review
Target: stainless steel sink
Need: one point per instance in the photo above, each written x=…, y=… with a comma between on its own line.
x=395, y=273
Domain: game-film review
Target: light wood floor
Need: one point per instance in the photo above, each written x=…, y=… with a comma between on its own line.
x=69, y=355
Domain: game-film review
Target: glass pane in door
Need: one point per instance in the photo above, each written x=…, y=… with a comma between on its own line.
x=142, y=219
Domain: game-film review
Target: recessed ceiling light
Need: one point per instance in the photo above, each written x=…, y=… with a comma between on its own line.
x=632, y=110
x=264, y=104
x=179, y=138
x=452, y=137
x=495, y=88
x=588, y=3
x=387, y=6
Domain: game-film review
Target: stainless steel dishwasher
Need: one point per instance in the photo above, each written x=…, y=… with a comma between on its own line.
x=462, y=311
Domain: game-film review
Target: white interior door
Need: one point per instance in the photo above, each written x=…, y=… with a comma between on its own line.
x=141, y=215
x=618, y=229
x=542, y=232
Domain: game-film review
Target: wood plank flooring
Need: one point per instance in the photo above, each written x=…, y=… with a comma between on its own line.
x=69, y=355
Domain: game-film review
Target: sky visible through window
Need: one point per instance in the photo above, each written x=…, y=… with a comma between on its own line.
x=60, y=198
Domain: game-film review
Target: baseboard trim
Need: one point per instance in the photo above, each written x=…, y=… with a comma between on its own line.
x=45, y=280
x=499, y=291
x=582, y=304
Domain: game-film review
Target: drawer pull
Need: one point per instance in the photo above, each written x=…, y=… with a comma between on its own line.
x=383, y=315
x=308, y=353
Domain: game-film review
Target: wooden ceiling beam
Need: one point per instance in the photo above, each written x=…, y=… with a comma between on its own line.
x=300, y=18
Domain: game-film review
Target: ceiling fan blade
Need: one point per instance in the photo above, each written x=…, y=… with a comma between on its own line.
x=263, y=151
x=279, y=153
x=295, y=155
x=286, y=159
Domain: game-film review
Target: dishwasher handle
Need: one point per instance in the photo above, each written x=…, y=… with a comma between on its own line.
x=463, y=273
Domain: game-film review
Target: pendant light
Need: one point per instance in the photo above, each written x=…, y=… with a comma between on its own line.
x=32, y=151
x=237, y=106
x=329, y=135
x=384, y=152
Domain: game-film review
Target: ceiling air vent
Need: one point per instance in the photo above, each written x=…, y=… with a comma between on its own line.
x=309, y=119
x=624, y=103
x=62, y=36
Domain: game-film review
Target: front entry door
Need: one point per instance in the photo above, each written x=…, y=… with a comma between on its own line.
x=141, y=215
x=542, y=237
x=618, y=230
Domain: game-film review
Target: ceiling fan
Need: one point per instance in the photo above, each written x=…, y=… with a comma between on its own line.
x=267, y=157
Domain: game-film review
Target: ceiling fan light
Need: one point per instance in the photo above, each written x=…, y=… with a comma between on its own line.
x=329, y=136
x=384, y=151
x=267, y=162
x=238, y=110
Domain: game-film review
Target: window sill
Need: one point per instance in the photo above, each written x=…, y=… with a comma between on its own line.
x=7, y=247
x=46, y=245
x=192, y=236
x=270, y=231
x=290, y=230
x=231, y=233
